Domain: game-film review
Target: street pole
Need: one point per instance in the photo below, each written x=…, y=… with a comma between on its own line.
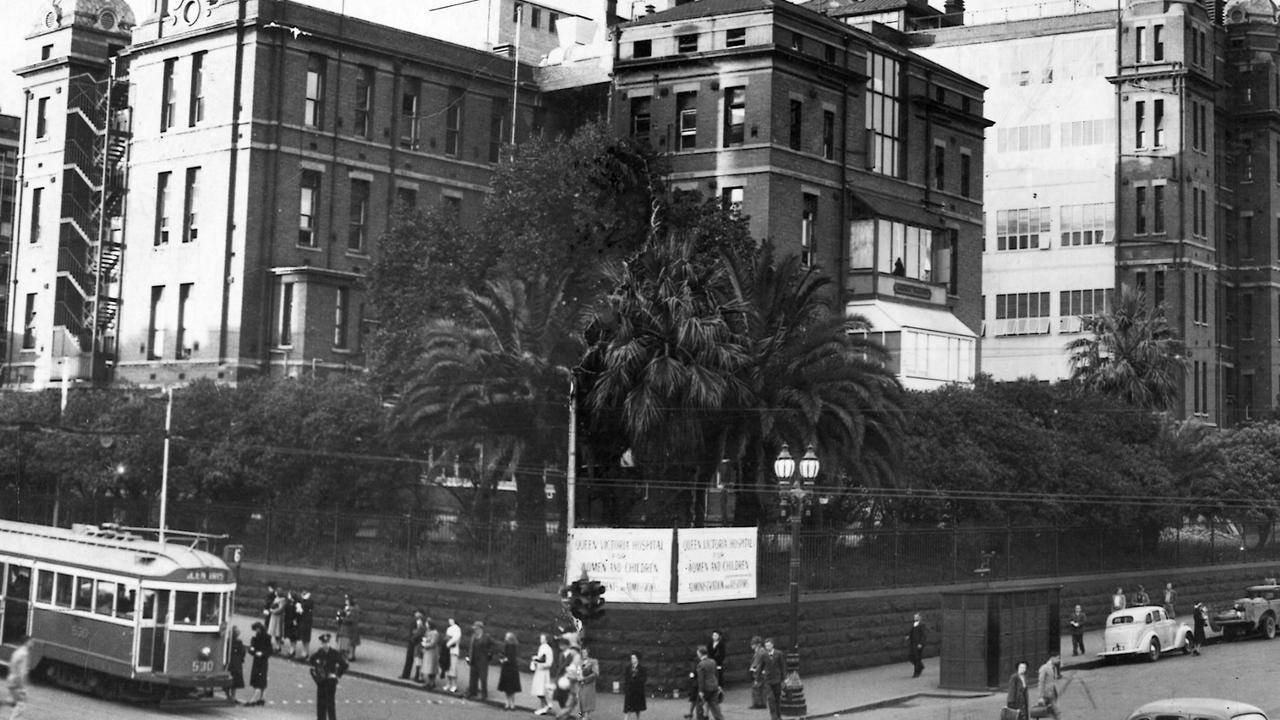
x=795, y=582
x=571, y=472
x=164, y=472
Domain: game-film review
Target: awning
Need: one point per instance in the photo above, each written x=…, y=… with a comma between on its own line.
x=894, y=317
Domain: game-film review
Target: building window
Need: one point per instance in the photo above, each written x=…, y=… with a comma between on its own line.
x=162, y=208
x=406, y=198
x=642, y=48
x=731, y=200
x=340, y=303
x=1074, y=304
x=828, y=135
x=497, y=128
x=1140, y=210
x=735, y=37
x=687, y=43
x=190, y=203
x=535, y=17
x=1246, y=316
x=1021, y=229
x=966, y=173
x=181, y=347
x=286, y=315
x=168, y=97
x=939, y=166
x=687, y=108
x=1158, y=122
x=196, y=111
x=797, y=41
x=452, y=205
x=409, y=113
x=883, y=114
x=1157, y=208
x=1157, y=43
x=361, y=125
x=553, y=20
x=313, y=108
x=640, y=118
x=794, y=139
x=1022, y=314
x=1022, y=138
x=1078, y=133
x=1139, y=36
x=358, y=212
x=37, y=203
x=42, y=117
x=1089, y=224
x=1157, y=279
x=453, y=119
x=46, y=52
x=155, y=333
x=808, y=221
x=1246, y=161
x=29, y=323
x=1246, y=236
x=735, y=115
x=308, y=208
x=1139, y=124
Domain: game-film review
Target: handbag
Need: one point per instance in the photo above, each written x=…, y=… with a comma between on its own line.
x=1008, y=713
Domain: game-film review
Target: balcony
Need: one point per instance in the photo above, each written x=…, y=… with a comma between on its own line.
x=863, y=283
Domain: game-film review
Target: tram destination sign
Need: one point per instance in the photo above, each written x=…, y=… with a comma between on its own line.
x=207, y=575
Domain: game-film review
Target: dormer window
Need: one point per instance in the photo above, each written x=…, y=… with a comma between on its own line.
x=687, y=43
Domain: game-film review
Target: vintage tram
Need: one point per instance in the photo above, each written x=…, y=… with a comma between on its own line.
x=114, y=613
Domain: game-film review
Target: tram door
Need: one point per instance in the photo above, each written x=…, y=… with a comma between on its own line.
x=151, y=633
x=15, y=606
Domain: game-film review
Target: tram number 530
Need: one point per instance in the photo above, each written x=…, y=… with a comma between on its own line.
x=201, y=666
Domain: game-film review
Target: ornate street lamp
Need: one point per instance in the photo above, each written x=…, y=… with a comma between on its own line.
x=795, y=492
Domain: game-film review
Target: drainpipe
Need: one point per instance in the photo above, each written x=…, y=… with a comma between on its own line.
x=233, y=161
x=842, y=257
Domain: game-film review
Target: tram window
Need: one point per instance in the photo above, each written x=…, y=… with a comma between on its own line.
x=44, y=587
x=62, y=591
x=210, y=604
x=125, y=601
x=184, y=607
x=84, y=594
x=19, y=582
x=105, y=602
x=148, y=604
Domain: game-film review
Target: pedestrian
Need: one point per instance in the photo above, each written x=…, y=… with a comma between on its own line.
x=1048, y=678
x=540, y=665
x=291, y=620
x=479, y=651
x=19, y=672
x=634, y=678
x=1141, y=598
x=568, y=659
x=327, y=666
x=1118, y=601
x=915, y=645
x=348, y=619
x=1076, y=622
x=509, y=670
x=269, y=600
x=430, y=653
x=260, y=647
x=771, y=674
x=1199, y=617
x=419, y=651
x=1017, y=698
x=564, y=699
x=716, y=651
x=453, y=643
x=1170, y=596
x=757, y=676
x=709, y=684
x=695, y=697
x=235, y=664
x=275, y=620
x=413, y=641
x=306, y=617
x=587, y=685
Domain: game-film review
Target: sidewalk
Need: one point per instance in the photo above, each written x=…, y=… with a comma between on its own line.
x=838, y=693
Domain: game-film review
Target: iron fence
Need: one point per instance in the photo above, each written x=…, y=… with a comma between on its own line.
x=449, y=548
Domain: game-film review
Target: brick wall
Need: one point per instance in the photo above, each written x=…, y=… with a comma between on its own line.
x=839, y=631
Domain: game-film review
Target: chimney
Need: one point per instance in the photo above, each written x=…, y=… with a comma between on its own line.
x=954, y=11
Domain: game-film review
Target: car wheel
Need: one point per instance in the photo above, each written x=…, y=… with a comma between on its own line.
x=1229, y=632
x=1153, y=650
x=1188, y=642
x=1268, y=627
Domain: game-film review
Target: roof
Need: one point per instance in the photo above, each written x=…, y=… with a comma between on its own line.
x=118, y=553
x=1197, y=706
x=887, y=316
x=845, y=8
x=706, y=8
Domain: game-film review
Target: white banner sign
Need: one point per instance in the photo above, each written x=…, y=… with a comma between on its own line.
x=634, y=564
x=716, y=564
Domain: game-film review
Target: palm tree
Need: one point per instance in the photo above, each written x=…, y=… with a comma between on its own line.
x=812, y=377
x=1130, y=353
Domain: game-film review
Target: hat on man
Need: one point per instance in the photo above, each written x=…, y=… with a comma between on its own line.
x=478, y=624
x=324, y=637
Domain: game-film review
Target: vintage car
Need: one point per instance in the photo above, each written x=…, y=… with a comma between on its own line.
x=1256, y=612
x=1143, y=630
x=1197, y=709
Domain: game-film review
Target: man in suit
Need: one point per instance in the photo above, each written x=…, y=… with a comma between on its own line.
x=327, y=665
x=412, y=640
x=716, y=651
x=1017, y=698
x=1049, y=673
x=478, y=654
x=915, y=645
x=1077, y=621
x=708, y=684
x=771, y=674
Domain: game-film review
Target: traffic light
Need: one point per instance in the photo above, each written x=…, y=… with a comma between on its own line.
x=594, y=599
x=574, y=598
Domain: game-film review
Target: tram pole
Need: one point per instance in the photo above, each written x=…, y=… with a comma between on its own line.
x=164, y=471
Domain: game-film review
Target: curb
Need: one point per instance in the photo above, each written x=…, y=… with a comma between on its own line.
x=889, y=702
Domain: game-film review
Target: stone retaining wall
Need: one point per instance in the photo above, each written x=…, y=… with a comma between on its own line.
x=839, y=631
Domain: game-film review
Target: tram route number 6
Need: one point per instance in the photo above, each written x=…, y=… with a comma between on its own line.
x=233, y=554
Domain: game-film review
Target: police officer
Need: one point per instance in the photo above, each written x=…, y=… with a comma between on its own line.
x=327, y=665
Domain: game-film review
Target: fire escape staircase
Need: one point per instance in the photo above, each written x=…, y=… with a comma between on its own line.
x=111, y=151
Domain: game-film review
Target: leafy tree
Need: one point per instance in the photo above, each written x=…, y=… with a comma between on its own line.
x=1131, y=353
x=1248, y=488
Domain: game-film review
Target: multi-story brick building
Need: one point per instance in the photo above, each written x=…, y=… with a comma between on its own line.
x=10, y=135
x=840, y=145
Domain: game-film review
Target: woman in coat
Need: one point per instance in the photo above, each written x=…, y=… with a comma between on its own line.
x=509, y=670
x=590, y=670
x=633, y=682
x=260, y=647
x=275, y=622
x=306, y=612
x=291, y=624
x=349, y=628
x=430, y=654
x=235, y=664
x=541, y=667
